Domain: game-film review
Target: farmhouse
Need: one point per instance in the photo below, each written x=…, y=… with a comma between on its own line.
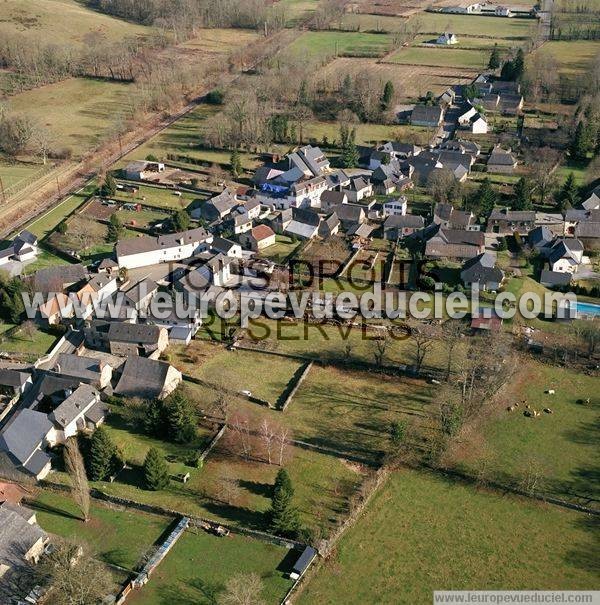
x=147, y=250
x=147, y=378
x=304, y=224
x=429, y=116
x=140, y=295
x=398, y=226
x=329, y=226
x=359, y=188
x=86, y=369
x=220, y=245
x=22, y=539
x=350, y=214
x=397, y=207
x=593, y=201
x=125, y=339
x=81, y=411
x=449, y=217
x=506, y=222
x=501, y=161
x=565, y=255
x=473, y=121
x=447, y=38
x=482, y=271
x=261, y=237
x=454, y=243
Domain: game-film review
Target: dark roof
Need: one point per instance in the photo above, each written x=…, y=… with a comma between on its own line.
x=481, y=269
x=223, y=245
x=142, y=377
x=411, y=221
x=304, y=560
x=540, y=237
x=13, y=378
x=25, y=433
x=18, y=534
x=86, y=368
x=59, y=276
x=500, y=157
x=306, y=217
x=427, y=113
x=350, y=212
x=587, y=229
x=142, y=289
x=555, y=278
x=139, y=245
x=133, y=333
x=512, y=215
x=333, y=197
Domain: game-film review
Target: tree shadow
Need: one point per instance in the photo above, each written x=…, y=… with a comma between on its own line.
x=47, y=508
x=236, y=514
x=255, y=487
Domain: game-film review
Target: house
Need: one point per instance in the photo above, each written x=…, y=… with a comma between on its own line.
x=510, y=104
x=141, y=294
x=391, y=177
x=25, y=246
x=220, y=245
x=501, y=161
x=125, y=339
x=489, y=102
x=540, y=239
x=473, y=121
x=359, y=188
x=565, y=255
x=361, y=231
x=461, y=145
x=493, y=323
x=310, y=160
x=187, y=325
x=22, y=540
x=398, y=226
x=240, y=222
x=80, y=411
x=261, y=237
x=142, y=170
x=145, y=251
x=458, y=163
x=304, y=224
x=588, y=232
x=350, y=214
x=59, y=277
x=429, y=116
x=13, y=382
x=481, y=270
x=447, y=97
x=24, y=439
x=593, y=201
x=454, y=244
x=447, y=38
x=555, y=279
x=217, y=207
x=503, y=11
x=449, y=217
x=329, y=226
x=86, y=369
x=108, y=266
x=331, y=199
x=147, y=378
x=508, y=87
x=553, y=221
x=506, y=222
x=392, y=150
x=397, y=207
x=424, y=165
x=307, y=193
x=460, y=9
x=216, y=271
x=56, y=308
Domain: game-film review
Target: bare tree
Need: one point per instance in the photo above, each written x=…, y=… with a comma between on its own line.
x=80, y=489
x=228, y=487
x=452, y=332
x=242, y=589
x=267, y=435
x=241, y=433
x=380, y=350
x=283, y=437
x=422, y=338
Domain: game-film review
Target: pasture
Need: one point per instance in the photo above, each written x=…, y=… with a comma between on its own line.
x=78, y=112
x=574, y=57
x=442, y=57
x=404, y=545
x=559, y=448
x=64, y=21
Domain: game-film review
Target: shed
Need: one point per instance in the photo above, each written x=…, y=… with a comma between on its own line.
x=302, y=563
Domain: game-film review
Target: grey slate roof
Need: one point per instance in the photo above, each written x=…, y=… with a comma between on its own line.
x=24, y=434
x=74, y=405
x=18, y=535
x=555, y=278
x=142, y=377
x=481, y=269
x=13, y=378
x=86, y=368
x=139, y=245
x=427, y=113
x=133, y=333
x=411, y=221
x=140, y=290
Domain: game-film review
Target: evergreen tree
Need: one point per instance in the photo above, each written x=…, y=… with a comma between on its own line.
x=388, y=96
x=303, y=94
x=346, y=90
x=180, y=418
x=156, y=474
x=236, y=163
x=115, y=228
x=581, y=143
x=102, y=456
x=181, y=221
x=568, y=195
x=154, y=419
x=109, y=188
x=494, y=62
x=523, y=194
x=486, y=197
x=349, y=157
x=519, y=65
x=283, y=517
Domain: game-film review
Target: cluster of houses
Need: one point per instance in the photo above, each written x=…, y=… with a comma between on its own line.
x=489, y=9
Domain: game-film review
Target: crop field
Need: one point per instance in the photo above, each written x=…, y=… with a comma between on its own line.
x=200, y=564
x=323, y=46
x=297, y=10
x=512, y=447
x=402, y=545
x=64, y=21
x=13, y=174
x=78, y=112
x=442, y=57
x=410, y=81
x=390, y=7
x=369, y=265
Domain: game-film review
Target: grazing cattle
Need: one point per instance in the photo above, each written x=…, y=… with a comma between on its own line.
x=550, y=391
x=527, y=407
x=517, y=404
x=548, y=411
x=510, y=408
x=527, y=413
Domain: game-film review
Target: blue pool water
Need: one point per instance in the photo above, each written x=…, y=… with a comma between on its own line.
x=588, y=309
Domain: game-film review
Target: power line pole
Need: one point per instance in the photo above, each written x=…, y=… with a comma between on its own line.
x=2, y=190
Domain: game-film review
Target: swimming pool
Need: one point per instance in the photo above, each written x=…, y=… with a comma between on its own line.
x=588, y=309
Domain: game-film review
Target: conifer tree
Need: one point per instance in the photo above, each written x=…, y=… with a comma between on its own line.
x=156, y=474
x=103, y=453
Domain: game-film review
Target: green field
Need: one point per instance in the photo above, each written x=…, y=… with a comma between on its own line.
x=422, y=533
x=472, y=25
x=280, y=250
x=64, y=21
x=322, y=46
x=15, y=175
x=30, y=345
x=200, y=564
x=79, y=112
x=444, y=57
x=114, y=536
x=511, y=447
x=297, y=10
x=574, y=57
x=158, y=197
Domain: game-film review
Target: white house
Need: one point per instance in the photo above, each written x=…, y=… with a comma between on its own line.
x=472, y=120
x=145, y=251
x=566, y=255
x=79, y=411
x=141, y=170
x=220, y=245
x=23, y=248
x=307, y=193
x=447, y=38
x=396, y=207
